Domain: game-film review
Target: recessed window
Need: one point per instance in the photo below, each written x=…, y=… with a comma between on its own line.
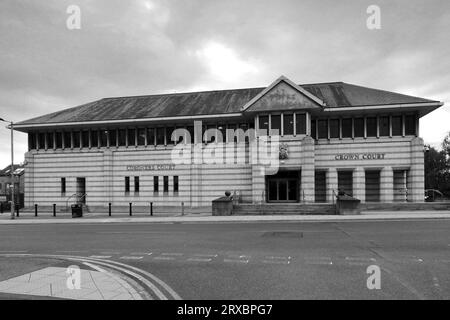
x=122, y=137
x=131, y=137
x=160, y=136
x=169, y=132
x=347, y=130
x=58, y=140
x=384, y=127
x=334, y=128
x=166, y=184
x=31, y=141
x=127, y=185
x=288, y=124
x=276, y=125
x=313, y=130
x=141, y=137
x=41, y=140
x=49, y=140
x=155, y=184
x=300, y=123
x=397, y=126
x=63, y=186
x=112, y=138
x=85, y=139
x=264, y=124
x=175, y=185
x=94, y=138
x=410, y=125
x=359, y=127
x=76, y=139
x=150, y=136
x=371, y=124
x=323, y=129
x=104, y=138
x=67, y=139
x=136, y=185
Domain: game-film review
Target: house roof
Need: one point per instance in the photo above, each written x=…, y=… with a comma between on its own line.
x=18, y=170
x=334, y=95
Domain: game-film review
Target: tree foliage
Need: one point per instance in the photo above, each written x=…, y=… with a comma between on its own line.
x=437, y=170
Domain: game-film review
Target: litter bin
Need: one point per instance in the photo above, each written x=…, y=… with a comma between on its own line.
x=77, y=211
x=223, y=206
x=347, y=205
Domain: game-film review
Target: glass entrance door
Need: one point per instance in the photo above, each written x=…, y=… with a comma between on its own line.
x=282, y=190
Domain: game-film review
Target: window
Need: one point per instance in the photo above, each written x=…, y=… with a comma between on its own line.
x=160, y=136
x=313, y=130
x=112, y=138
x=175, y=184
x=347, y=129
x=410, y=125
x=63, y=186
x=58, y=140
x=397, y=126
x=371, y=128
x=359, y=127
x=104, y=138
x=141, y=137
x=166, y=184
x=300, y=123
x=136, y=184
x=263, y=125
x=127, y=185
x=31, y=141
x=334, y=128
x=276, y=125
x=131, y=137
x=94, y=139
x=190, y=137
x=49, y=140
x=323, y=129
x=210, y=136
x=288, y=124
x=150, y=136
x=85, y=139
x=67, y=140
x=76, y=139
x=41, y=140
x=122, y=137
x=155, y=184
x=384, y=127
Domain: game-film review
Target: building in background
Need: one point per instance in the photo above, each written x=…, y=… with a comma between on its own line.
x=334, y=136
x=5, y=185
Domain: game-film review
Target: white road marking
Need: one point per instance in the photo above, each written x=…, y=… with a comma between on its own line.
x=131, y=258
x=206, y=255
x=100, y=257
x=164, y=258
x=172, y=254
x=276, y=261
x=319, y=261
x=235, y=261
x=199, y=259
x=360, y=259
x=278, y=258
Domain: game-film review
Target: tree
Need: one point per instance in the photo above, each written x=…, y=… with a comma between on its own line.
x=437, y=170
x=446, y=144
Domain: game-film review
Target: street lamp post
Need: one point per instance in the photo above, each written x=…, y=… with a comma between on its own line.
x=11, y=125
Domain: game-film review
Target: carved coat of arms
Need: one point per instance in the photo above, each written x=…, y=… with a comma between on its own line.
x=284, y=153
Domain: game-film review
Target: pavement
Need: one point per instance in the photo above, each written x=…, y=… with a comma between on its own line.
x=208, y=218
x=253, y=260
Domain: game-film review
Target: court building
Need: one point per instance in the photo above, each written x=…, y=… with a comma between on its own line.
x=333, y=136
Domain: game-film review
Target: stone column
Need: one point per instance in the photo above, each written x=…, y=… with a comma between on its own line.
x=258, y=184
x=308, y=166
x=417, y=172
x=332, y=184
x=359, y=184
x=107, y=177
x=387, y=185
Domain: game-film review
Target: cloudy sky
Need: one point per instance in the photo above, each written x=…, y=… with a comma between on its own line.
x=149, y=46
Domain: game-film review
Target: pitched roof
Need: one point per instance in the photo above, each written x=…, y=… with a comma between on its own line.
x=18, y=169
x=334, y=95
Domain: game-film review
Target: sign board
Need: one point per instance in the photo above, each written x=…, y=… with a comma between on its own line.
x=152, y=167
x=359, y=156
x=2, y=198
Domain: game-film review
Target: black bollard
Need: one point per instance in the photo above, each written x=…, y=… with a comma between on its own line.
x=109, y=209
x=131, y=213
x=151, y=209
x=1, y=207
x=35, y=210
x=17, y=210
x=54, y=210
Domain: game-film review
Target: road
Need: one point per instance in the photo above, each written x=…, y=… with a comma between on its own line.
x=316, y=260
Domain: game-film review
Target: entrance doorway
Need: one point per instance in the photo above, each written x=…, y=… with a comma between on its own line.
x=372, y=185
x=81, y=190
x=283, y=187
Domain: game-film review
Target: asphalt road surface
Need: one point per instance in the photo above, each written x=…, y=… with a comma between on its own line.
x=254, y=260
